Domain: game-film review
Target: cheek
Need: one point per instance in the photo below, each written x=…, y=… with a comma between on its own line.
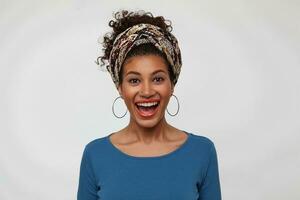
x=166, y=91
x=165, y=95
x=128, y=96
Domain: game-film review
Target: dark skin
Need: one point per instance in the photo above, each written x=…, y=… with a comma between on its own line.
x=147, y=136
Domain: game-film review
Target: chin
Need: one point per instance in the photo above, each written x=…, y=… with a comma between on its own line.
x=147, y=123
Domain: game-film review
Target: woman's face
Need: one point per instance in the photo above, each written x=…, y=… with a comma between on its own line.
x=146, y=89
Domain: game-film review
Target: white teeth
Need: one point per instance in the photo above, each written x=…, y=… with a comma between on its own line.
x=147, y=104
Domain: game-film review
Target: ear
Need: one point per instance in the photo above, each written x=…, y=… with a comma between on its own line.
x=172, y=88
x=120, y=91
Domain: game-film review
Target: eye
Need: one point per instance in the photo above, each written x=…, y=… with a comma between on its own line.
x=133, y=81
x=158, y=79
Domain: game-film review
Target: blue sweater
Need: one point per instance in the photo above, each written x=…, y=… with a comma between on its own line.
x=188, y=173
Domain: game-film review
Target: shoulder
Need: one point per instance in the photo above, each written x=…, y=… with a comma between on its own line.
x=202, y=143
x=201, y=139
x=203, y=148
x=95, y=146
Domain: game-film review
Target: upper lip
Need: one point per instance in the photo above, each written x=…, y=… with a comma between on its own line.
x=147, y=101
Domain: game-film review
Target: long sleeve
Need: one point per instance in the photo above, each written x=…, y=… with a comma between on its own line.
x=209, y=189
x=87, y=187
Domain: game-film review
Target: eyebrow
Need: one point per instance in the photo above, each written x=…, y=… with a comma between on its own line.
x=137, y=73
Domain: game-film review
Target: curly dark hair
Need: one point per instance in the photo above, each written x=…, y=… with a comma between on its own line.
x=125, y=19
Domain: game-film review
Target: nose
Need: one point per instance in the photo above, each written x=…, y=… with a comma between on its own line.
x=147, y=90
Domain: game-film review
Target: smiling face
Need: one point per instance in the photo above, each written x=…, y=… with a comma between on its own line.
x=146, y=89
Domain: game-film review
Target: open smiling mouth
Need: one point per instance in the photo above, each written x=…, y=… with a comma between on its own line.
x=147, y=109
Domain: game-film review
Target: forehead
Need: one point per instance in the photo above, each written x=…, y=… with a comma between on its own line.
x=144, y=64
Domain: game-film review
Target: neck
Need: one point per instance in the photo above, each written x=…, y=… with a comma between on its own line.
x=159, y=132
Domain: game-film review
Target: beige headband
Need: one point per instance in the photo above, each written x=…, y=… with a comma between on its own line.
x=141, y=34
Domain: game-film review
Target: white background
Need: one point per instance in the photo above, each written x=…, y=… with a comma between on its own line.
x=239, y=86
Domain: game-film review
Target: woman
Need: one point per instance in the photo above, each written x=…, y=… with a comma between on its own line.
x=148, y=159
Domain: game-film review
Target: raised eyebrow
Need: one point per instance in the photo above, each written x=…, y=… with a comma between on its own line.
x=157, y=71
x=132, y=72
x=137, y=73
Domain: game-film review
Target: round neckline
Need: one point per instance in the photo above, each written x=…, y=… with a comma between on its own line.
x=150, y=157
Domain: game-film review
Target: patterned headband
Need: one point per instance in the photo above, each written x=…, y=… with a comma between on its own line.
x=141, y=34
